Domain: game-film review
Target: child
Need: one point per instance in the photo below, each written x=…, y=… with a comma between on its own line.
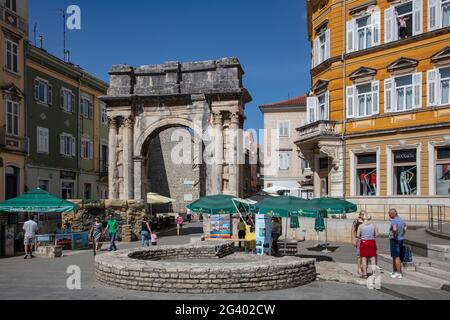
x=154, y=238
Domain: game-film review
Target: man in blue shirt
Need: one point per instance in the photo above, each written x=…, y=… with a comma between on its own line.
x=396, y=236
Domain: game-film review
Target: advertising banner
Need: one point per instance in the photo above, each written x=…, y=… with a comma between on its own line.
x=263, y=229
x=220, y=226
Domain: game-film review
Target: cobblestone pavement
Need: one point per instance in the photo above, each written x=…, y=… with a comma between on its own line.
x=42, y=278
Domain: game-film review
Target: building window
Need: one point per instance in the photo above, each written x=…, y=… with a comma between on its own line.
x=283, y=129
x=104, y=159
x=42, y=91
x=322, y=47
x=364, y=32
x=306, y=165
x=324, y=163
x=283, y=161
x=445, y=13
x=405, y=172
x=11, y=56
x=44, y=184
x=12, y=117
x=366, y=174
x=317, y=108
x=438, y=14
x=67, y=190
x=104, y=113
x=363, y=100
x=403, y=93
x=67, y=100
x=42, y=140
x=86, y=149
x=403, y=20
x=12, y=182
x=87, y=191
x=67, y=145
x=438, y=86
x=87, y=108
x=443, y=171
x=11, y=5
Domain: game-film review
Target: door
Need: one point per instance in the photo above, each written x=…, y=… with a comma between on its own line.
x=11, y=182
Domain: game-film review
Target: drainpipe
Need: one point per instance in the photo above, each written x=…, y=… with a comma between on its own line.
x=25, y=122
x=344, y=74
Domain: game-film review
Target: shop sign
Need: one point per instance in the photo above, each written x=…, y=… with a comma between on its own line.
x=68, y=175
x=405, y=156
x=93, y=204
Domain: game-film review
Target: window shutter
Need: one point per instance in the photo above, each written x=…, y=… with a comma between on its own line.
x=49, y=94
x=316, y=51
x=376, y=96
x=72, y=107
x=36, y=89
x=417, y=17
x=327, y=44
x=350, y=101
x=74, y=152
x=350, y=35
x=434, y=10
x=417, y=90
x=91, y=150
x=389, y=25
x=61, y=144
x=311, y=106
x=388, y=95
x=91, y=110
x=376, y=28
x=327, y=106
x=432, y=87
x=46, y=141
x=62, y=99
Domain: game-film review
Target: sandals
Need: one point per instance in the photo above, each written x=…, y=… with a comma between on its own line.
x=364, y=276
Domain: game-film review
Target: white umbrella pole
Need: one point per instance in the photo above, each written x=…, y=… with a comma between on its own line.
x=285, y=236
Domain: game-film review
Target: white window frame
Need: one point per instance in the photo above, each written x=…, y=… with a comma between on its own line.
x=391, y=23
x=353, y=99
x=47, y=91
x=326, y=106
x=353, y=34
x=390, y=167
x=367, y=28
x=104, y=114
x=87, y=108
x=12, y=5
x=313, y=107
x=286, y=125
x=43, y=146
x=14, y=56
x=283, y=161
x=87, y=149
x=322, y=41
x=353, y=167
x=390, y=93
x=435, y=14
x=67, y=93
x=12, y=128
x=69, y=148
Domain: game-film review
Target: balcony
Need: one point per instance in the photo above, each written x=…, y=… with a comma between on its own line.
x=103, y=168
x=319, y=130
x=13, y=19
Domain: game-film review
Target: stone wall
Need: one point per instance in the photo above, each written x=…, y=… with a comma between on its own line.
x=253, y=273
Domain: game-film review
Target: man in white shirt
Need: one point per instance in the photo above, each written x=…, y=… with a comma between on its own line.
x=30, y=229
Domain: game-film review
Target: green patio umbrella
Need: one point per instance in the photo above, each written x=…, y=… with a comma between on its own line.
x=294, y=222
x=214, y=204
x=37, y=200
x=285, y=206
x=335, y=205
x=319, y=224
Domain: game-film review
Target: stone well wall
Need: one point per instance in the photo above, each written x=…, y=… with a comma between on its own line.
x=232, y=273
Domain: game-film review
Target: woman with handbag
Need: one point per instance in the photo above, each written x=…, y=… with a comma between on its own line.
x=367, y=233
x=95, y=234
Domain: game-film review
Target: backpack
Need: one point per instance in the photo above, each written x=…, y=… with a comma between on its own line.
x=406, y=254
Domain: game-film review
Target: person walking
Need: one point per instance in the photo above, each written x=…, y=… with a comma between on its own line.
x=95, y=234
x=397, y=232
x=111, y=228
x=241, y=230
x=276, y=232
x=30, y=228
x=355, y=239
x=154, y=238
x=145, y=232
x=179, y=222
x=367, y=233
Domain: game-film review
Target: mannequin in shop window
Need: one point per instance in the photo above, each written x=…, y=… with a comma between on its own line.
x=406, y=176
x=368, y=182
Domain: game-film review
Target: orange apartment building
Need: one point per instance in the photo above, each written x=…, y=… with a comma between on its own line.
x=378, y=114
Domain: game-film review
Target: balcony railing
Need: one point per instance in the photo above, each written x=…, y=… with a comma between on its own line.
x=103, y=167
x=12, y=18
x=318, y=129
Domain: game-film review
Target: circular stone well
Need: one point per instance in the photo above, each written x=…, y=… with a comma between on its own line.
x=206, y=267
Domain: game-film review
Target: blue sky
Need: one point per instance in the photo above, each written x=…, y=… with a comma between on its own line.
x=268, y=36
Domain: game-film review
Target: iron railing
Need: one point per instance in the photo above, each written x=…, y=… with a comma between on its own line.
x=437, y=218
x=409, y=212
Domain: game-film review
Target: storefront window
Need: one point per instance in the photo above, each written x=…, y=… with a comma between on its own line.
x=67, y=190
x=366, y=174
x=405, y=172
x=443, y=171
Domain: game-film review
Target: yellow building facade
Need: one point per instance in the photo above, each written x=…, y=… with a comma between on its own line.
x=13, y=144
x=378, y=120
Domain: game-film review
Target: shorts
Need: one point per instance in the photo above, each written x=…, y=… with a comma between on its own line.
x=368, y=248
x=179, y=226
x=28, y=241
x=396, y=246
x=241, y=234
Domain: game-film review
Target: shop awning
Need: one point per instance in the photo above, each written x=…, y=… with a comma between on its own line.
x=37, y=200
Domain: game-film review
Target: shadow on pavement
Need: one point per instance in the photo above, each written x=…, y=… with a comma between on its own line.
x=317, y=257
x=186, y=231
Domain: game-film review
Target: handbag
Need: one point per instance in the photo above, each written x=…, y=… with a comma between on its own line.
x=406, y=254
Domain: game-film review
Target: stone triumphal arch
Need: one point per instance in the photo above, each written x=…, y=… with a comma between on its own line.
x=146, y=104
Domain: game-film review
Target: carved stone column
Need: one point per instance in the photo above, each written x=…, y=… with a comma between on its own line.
x=128, y=185
x=112, y=159
x=138, y=161
x=233, y=165
x=218, y=153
